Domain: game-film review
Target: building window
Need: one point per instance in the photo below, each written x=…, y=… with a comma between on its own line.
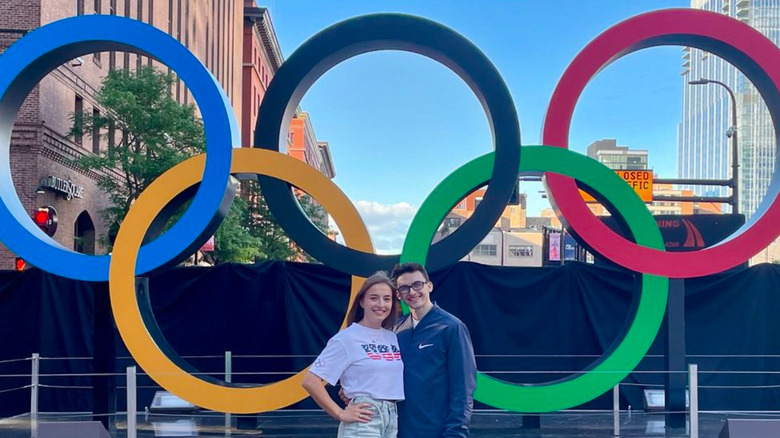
x=126, y=54
x=112, y=55
x=84, y=234
x=521, y=251
x=186, y=30
x=97, y=5
x=485, y=250
x=95, y=131
x=170, y=17
x=79, y=7
x=139, y=60
x=208, y=46
x=111, y=136
x=78, y=113
x=453, y=222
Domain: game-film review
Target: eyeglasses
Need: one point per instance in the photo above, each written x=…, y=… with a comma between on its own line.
x=406, y=288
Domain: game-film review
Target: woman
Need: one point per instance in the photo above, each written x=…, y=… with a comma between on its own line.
x=366, y=359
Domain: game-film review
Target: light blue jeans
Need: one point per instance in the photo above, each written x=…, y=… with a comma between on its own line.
x=383, y=424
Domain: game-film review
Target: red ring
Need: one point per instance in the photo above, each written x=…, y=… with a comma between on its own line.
x=747, y=49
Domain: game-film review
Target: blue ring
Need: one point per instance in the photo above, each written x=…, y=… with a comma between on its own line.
x=31, y=58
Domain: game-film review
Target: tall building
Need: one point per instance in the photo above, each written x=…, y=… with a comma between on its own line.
x=703, y=145
x=262, y=57
x=617, y=157
x=41, y=151
x=304, y=146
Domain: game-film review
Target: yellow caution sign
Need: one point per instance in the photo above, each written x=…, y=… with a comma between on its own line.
x=639, y=180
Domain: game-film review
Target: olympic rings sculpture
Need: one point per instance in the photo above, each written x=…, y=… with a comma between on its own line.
x=36, y=54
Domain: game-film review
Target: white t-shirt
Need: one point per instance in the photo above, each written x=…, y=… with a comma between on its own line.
x=367, y=362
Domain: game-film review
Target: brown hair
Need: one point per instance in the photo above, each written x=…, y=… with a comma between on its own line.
x=356, y=311
x=407, y=268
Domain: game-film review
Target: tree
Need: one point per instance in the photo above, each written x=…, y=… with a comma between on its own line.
x=274, y=242
x=234, y=242
x=155, y=132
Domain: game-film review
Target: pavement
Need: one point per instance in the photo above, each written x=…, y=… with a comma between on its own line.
x=308, y=424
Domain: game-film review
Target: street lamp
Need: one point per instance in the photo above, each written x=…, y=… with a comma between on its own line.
x=732, y=134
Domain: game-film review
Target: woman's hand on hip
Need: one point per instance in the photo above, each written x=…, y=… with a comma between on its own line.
x=356, y=412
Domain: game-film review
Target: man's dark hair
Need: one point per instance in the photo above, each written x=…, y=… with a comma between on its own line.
x=406, y=268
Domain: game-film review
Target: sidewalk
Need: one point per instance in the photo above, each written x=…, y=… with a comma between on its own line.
x=485, y=424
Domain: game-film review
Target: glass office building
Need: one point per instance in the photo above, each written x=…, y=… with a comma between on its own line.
x=703, y=146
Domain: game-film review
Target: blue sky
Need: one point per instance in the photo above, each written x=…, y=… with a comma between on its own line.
x=398, y=123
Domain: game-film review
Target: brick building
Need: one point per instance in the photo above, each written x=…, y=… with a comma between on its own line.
x=303, y=145
x=509, y=243
x=262, y=59
x=40, y=149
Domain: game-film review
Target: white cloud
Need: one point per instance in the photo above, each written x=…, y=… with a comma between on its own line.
x=387, y=224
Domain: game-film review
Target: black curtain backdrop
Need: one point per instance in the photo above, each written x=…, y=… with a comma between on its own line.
x=287, y=311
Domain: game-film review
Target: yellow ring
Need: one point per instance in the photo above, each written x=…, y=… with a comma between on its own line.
x=127, y=314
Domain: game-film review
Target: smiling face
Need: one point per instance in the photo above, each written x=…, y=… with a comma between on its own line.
x=417, y=300
x=377, y=303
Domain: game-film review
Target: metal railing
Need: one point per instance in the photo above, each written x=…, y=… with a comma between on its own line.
x=131, y=375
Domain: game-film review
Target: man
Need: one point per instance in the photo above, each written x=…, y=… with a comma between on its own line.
x=439, y=366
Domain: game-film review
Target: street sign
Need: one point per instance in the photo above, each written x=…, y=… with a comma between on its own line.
x=639, y=180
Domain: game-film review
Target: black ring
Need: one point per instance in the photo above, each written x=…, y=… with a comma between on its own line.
x=370, y=33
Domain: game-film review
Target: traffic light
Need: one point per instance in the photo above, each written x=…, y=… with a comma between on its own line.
x=20, y=264
x=46, y=219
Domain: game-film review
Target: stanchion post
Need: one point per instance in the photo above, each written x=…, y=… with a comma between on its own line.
x=228, y=379
x=34, y=380
x=103, y=359
x=693, y=394
x=674, y=349
x=131, y=403
x=616, y=410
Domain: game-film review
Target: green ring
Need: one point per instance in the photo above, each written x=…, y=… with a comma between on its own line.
x=625, y=356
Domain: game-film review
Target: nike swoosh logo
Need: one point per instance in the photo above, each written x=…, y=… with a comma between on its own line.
x=421, y=346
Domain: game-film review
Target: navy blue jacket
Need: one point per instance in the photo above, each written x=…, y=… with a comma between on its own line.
x=439, y=376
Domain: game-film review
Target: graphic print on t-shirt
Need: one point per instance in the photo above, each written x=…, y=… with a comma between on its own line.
x=382, y=351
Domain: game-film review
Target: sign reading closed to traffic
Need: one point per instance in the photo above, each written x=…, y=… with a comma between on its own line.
x=639, y=180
